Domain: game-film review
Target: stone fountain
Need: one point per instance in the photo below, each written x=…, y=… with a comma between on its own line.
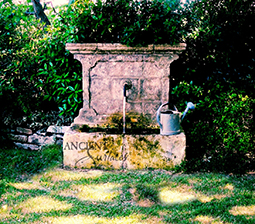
x=105, y=70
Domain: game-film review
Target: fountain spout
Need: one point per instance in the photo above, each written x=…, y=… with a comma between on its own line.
x=127, y=86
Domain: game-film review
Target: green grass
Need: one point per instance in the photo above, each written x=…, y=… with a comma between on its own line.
x=35, y=189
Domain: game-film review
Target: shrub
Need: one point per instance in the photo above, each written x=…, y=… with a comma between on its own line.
x=130, y=22
x=217, y=72
x=35, y=66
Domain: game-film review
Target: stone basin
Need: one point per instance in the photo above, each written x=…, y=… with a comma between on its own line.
x=116, y=151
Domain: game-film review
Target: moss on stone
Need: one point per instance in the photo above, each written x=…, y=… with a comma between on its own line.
x=135, y=124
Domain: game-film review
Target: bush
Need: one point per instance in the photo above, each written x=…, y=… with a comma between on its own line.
x=217, y=72
x=36, y=65
x=130, y=22
x=220, y=135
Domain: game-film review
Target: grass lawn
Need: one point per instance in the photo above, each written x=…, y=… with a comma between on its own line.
x=35, y=189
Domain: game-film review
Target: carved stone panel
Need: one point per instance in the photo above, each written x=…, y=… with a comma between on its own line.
x=106, y=68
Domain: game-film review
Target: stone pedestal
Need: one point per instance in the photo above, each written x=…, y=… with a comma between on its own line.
x=106, y=151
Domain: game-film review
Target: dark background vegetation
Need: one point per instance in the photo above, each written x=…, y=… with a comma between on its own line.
x=216, y=71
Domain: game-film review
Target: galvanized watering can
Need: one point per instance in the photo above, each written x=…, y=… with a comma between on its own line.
x=169, y=121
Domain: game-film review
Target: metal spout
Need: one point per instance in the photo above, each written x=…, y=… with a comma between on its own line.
x=127, y=86
x=190, y=106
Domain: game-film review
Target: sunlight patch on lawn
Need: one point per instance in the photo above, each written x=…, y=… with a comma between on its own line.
x=43, y=204
x=243, y=210
x=27, y=186
x=66, y=175
x=4, y=212
x=194, y=180
x=94, y=192
x=207, y=220
x=81, y=219
x=205, y=198
x=229, y=187
x=168, y=196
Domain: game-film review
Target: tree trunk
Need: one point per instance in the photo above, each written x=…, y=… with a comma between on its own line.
x=39, y=13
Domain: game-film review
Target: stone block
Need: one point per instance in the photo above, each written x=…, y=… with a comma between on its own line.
x=24, y=131
x=126, y=70
x=113, y=151
x=100, y=89
x=100, y=70
x=41, y=132
x=165, y=89
x=106, y=106
x=151, y=108
x=41, y=140
x=58, y=136
x=27, y=146
x=18, y=138
x=134, y=107
x=57, y=129
x=150, y=89
x=59, y=142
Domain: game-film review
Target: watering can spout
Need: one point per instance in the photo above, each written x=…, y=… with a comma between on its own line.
x=190, y=106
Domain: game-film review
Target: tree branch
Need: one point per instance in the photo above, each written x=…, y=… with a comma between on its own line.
x=39, y=13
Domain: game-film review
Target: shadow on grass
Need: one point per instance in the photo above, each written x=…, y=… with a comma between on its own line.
x=20, y=164
x=95, y=196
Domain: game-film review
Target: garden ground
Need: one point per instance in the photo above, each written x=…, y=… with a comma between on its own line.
x=34, y=188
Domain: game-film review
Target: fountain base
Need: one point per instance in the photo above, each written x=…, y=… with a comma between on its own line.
x=116, y=151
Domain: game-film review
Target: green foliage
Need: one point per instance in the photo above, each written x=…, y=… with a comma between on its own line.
x=217, y=72
x=220, y=45
x=129, y=22
x=35, y=66
x=220, y=131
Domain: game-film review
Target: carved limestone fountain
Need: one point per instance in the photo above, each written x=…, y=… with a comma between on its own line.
x=106, y=69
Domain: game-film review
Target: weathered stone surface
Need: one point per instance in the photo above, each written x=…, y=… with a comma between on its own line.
x=59, y=142
x=116, y=48
x=41, y=132
x=57, y=129
x=27, y=146
x=41, y=140
x=24, y=130
x=18, y=138
x=59, y=136
x=90, y=150
x=106, y=67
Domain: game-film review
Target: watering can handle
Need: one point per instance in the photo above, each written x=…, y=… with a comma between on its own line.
x=158, y=114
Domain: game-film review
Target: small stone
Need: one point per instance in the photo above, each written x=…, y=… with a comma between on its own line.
x=59, y=136
x=19, y=138
x=59, y=142
x=27, y=146
x=57, y=129
x=24, y=131
x=41, y=140
x=41, y=132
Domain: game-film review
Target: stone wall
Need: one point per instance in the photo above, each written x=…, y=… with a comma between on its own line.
x=27, y=139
